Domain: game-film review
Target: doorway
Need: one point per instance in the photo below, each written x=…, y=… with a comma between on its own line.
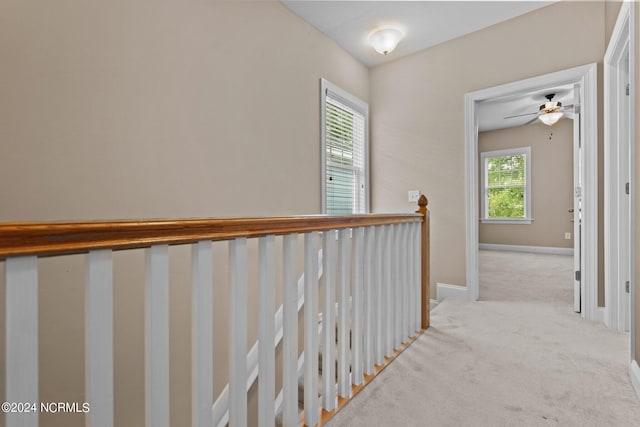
x=587, y=189
x=618, y=172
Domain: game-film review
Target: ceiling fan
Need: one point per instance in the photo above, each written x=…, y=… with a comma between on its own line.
x=548, y=113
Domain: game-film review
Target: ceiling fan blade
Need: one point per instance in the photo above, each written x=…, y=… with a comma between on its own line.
x=520, y=115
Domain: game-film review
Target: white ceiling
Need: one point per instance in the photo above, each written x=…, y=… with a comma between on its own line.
x=424, y=23
x=492, y=113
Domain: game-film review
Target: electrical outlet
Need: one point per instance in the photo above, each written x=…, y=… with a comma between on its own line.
x=414, y=195
x=567, y=236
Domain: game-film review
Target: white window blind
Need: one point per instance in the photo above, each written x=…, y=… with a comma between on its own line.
x=345, y=173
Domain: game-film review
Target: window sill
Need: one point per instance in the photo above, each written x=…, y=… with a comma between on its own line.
x=519, y=221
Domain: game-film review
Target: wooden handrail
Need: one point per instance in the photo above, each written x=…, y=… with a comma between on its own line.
x=64, y=238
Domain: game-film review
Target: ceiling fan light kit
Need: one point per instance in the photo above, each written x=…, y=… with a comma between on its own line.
x=550, y=111
x=550, y=118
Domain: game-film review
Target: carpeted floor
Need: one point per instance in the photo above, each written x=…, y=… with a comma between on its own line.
x=518, y=357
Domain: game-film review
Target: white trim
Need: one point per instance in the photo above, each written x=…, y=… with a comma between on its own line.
x=634, y=373
x=633, y=36
x=444, y=290
x=433, y=303
x=620, y=310
x=471, y=192
x=519, y=248
x=585, y=76
x=589, y=154
x=515, y=221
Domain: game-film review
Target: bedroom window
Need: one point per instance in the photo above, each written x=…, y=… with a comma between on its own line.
x=345, y=152
x=506, y=186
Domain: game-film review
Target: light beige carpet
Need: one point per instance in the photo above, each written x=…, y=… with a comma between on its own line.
x=518, y=357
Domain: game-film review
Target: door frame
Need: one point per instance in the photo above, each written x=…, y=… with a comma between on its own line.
x=577, y=202
x=586, y=77
x=622, y=42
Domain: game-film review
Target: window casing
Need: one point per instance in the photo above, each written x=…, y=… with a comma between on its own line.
x=506, y=186
x=344, y=152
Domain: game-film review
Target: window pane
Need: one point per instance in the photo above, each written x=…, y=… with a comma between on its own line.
x=506, y=202
x=506, y=170
x=494, y=178
x=339, y=131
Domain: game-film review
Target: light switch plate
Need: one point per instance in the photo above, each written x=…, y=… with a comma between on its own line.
x=414, y=195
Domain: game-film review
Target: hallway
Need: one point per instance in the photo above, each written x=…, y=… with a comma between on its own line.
x=517, y=357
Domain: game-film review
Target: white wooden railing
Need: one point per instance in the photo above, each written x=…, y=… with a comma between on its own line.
x=373, y=272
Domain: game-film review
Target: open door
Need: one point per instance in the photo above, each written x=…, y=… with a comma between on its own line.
x=577, y=203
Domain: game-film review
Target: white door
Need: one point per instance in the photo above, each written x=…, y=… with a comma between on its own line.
x=577, y=202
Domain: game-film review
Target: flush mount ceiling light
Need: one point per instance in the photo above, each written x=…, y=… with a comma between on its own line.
x=550, y=111
x=385, y=40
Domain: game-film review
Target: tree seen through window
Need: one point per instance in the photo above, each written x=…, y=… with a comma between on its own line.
x=505, y=186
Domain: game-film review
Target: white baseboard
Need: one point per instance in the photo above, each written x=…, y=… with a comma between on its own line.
x=634, y=373
x=433, y=303
x=534, y=249
x=451, y=291
x=601, y=314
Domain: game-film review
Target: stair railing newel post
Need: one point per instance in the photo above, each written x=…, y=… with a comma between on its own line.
x=424, y=250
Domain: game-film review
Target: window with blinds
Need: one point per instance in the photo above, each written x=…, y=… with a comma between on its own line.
x=344, y=152
x=506, y=184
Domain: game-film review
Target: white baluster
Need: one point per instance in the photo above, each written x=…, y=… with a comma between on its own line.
x=238, y=332
x=266, y=330
x=389, y=287
x=201, y=334
x=397, y=281
x=378, y=299
x=290, y=334
x=99, y=337
x=369, y=237
x=412, y=277
x=310, y=328
x=21, y=310
x=356, y=307
x=329, y=320
x=406, y=277
x=344, y=320
x=157, y=337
